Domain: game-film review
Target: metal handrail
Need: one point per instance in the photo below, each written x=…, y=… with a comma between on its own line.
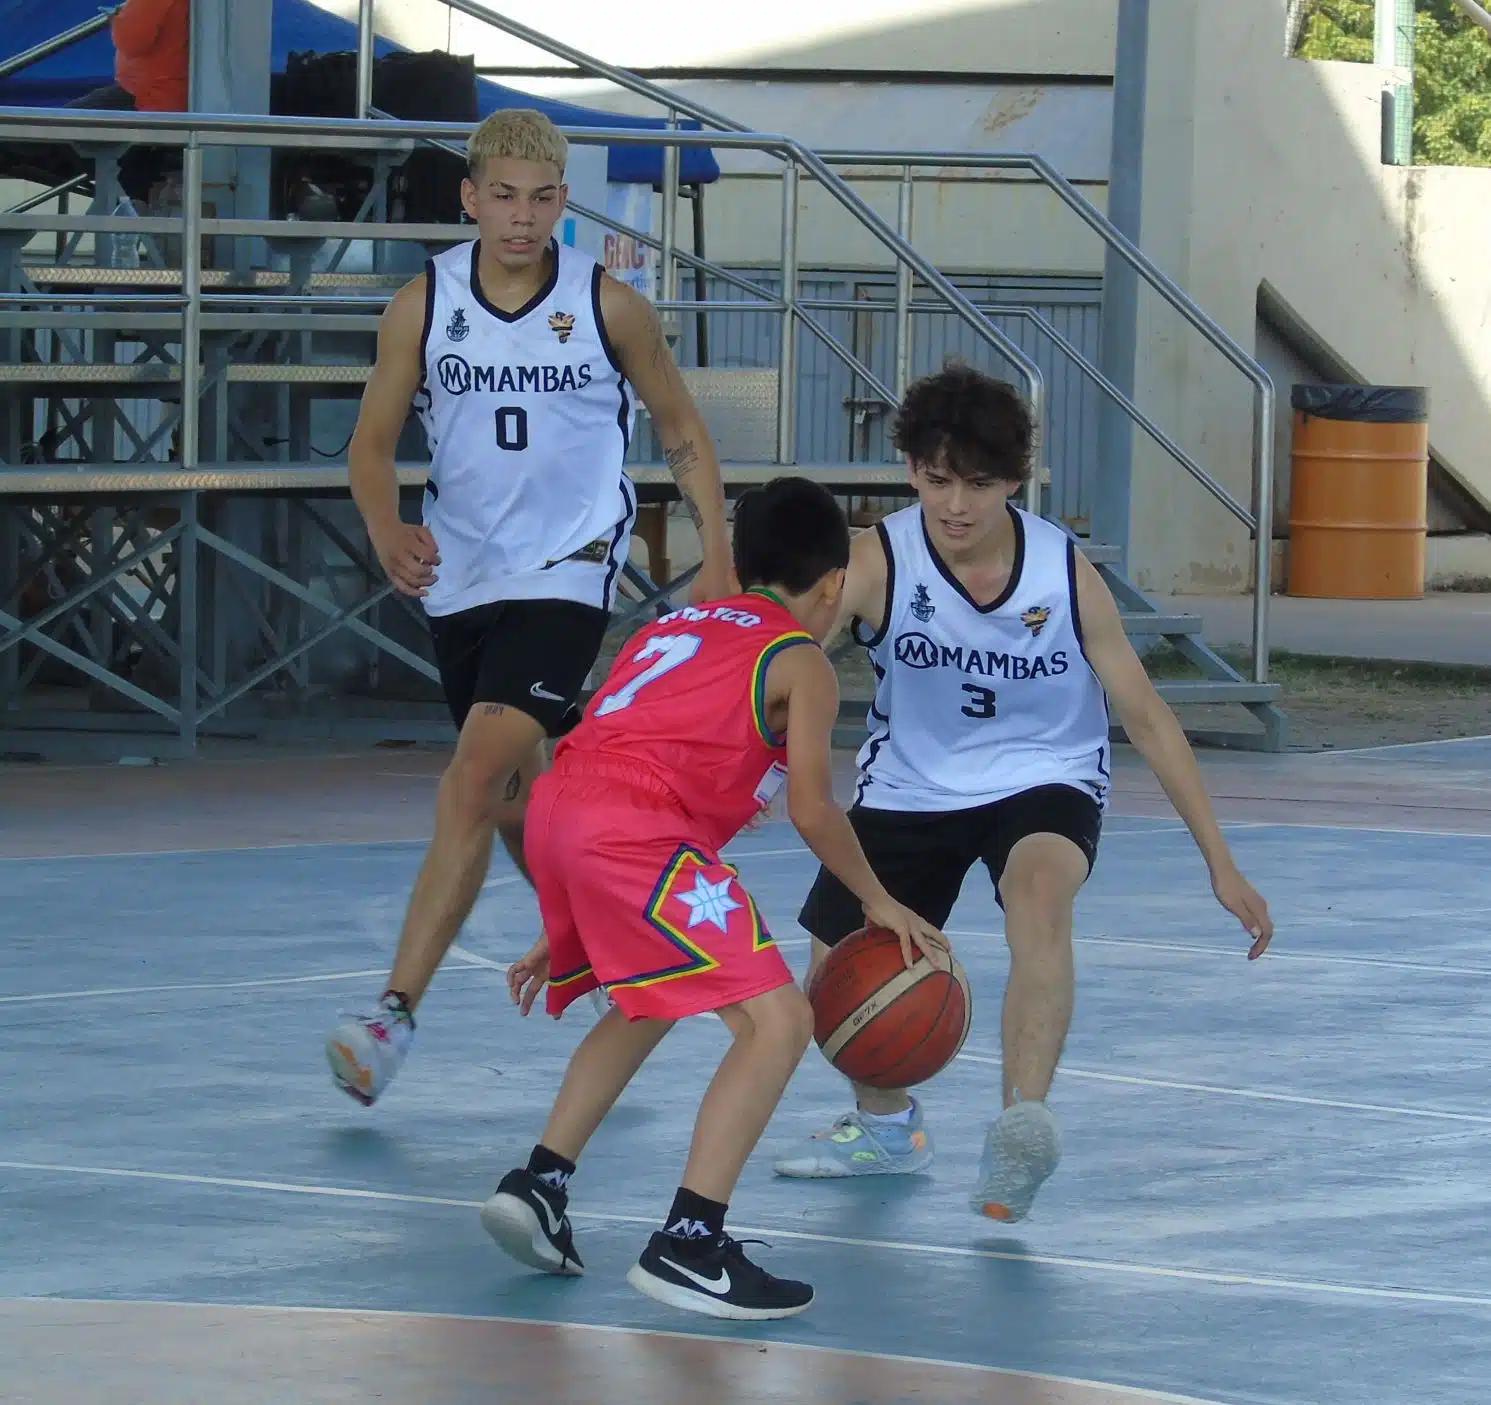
x=1260, y=519
x=598, y=68
x=198, y=130
x=1262, y=515
x=1073, y=354
x=57, y=43
x=33, y=202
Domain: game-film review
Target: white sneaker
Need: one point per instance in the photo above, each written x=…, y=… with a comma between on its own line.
x=1021, y=1151
x=365, y=1051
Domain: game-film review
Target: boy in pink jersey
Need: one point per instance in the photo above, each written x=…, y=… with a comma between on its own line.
x=705, y=715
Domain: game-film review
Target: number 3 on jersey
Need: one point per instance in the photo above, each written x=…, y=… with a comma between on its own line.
x=980, y=702
x=669, y=650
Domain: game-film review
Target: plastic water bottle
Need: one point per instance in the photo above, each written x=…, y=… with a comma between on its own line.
x=126, y=247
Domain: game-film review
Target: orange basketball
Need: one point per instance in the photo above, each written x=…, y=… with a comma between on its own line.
x=885, y=1024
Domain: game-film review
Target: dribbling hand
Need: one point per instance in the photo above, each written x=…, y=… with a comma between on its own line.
x=1246, y=904
x=527, y=977
x=408, y=555
x=912, y=930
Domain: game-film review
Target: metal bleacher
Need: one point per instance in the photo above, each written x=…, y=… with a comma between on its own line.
x=177, y=556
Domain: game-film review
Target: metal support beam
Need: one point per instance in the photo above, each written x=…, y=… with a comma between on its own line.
x=906, y=196
x=366, y=34
x=1393, y=47
x=1113, y=491
x=787, y=363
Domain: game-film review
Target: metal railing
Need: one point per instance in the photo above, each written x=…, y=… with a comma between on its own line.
x=57, y=43
x=193, y=132
x=1259, y=520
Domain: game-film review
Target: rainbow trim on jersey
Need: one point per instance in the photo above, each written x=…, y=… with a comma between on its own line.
x=758, y=680
x=685, y=863
x=559, y=982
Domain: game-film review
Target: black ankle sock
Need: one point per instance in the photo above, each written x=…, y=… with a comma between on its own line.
x=551, y=1168
x=695, y=1220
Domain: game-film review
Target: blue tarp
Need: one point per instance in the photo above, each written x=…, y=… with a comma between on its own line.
x=298, y=26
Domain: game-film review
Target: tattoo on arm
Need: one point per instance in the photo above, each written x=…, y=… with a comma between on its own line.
x=513, y=786
x=681, y=462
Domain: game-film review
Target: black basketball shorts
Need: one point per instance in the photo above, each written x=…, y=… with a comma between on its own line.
x=923, y=858
x=531, y=655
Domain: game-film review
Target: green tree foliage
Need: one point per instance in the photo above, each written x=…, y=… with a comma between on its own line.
x=1452, y=73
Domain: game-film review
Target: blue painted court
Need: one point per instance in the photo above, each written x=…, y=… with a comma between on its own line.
x=1274, y=1187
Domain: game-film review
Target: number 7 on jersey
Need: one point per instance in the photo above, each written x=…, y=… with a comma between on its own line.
x=670, y=650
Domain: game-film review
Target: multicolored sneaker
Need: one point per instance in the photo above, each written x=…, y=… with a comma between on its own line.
x=1021, y=1151
x=861, y=1145
x=365, y=1051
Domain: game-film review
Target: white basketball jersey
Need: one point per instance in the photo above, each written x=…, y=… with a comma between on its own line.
x=976, y=703
x=528, y=417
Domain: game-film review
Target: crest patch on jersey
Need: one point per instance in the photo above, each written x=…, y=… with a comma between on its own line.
x=458, y=328
x=921, y=604
x=562, y=324
x=1034, y=619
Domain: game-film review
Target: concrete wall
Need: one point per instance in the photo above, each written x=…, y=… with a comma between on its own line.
x=1259, y=170
x=1263, y=169
x=963, y=36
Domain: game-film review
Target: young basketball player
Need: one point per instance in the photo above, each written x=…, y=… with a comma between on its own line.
x=703, y=718
x=521, y=357
x=994, y=643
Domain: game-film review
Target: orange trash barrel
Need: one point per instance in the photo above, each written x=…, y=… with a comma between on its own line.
x=1359, y=492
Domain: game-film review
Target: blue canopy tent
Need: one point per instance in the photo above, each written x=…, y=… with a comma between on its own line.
x=298, y=27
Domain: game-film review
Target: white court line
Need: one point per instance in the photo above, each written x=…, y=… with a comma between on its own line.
x=505, y=882
x=99, y=993
x=1475, y=1119
x=486, y=962
x=1186, y=949
x=1110, y=1266
x=1425, y=967
x=1399, y=746
x=1369, y=828
x=1108, y=833
x=733, y=854
x=414, y=1315
x=216, y=849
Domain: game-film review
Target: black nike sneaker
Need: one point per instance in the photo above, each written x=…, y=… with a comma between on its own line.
x=718, y=1281
x=527, y=1219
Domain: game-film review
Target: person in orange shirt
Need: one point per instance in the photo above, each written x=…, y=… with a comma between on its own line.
x=152, y=63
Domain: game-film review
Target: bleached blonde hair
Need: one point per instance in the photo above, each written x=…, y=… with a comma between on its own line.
x=519, y=134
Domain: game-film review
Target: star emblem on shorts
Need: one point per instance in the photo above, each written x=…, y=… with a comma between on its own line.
x=709, y=902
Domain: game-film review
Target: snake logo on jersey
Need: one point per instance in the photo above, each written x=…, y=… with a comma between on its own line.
x=528, y=417
x=976, y=703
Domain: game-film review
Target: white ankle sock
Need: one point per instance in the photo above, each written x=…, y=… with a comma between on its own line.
x=892, y=1119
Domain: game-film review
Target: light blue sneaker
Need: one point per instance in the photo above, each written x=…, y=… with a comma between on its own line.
x=1021, y=1151
x=860, y=1145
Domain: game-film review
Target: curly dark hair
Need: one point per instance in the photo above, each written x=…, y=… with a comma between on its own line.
x=966, y=423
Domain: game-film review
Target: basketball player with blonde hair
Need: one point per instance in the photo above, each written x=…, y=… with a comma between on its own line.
x=521, y=358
